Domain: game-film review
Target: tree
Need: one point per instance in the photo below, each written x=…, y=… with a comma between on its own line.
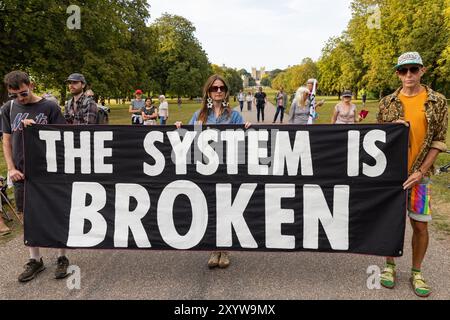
x=177, y=44
x=296, y=76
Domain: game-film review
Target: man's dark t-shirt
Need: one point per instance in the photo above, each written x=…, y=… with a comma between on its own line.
x=42, y=112
x=260, y=98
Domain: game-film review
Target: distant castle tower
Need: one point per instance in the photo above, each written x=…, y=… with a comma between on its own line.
x=258, y=74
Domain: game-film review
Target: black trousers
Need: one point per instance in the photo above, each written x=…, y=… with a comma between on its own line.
x=279, y=109
x=260, y=111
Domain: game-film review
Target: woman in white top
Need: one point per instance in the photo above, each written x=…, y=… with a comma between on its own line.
x=163, y=110
x=249, y=98
x=299, y=112
x=345, y=111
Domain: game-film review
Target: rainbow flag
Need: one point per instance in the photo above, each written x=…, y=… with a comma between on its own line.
x=419, y=199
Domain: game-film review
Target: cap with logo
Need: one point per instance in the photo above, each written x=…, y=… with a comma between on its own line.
x=409, y=58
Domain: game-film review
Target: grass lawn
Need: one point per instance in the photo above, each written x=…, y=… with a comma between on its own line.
x=441, y=193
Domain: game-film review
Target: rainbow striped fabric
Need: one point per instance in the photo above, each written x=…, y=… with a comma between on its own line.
x=419, y=199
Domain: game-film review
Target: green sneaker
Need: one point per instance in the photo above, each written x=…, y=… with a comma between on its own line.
x=419, y=285
x=387, y=278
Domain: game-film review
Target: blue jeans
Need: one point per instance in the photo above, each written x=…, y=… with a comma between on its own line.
x=162, y=121
x=279, y=109
x=241, y=105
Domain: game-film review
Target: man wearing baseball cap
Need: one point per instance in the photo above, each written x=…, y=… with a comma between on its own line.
x=80, y=109
x=136, y=108
x=426, y=112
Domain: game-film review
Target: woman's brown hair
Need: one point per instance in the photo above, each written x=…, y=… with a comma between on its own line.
x=203, y=116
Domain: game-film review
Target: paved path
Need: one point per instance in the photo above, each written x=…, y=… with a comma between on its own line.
x=184, y=275
x=269, y=113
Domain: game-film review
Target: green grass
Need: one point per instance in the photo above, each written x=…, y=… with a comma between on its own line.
x=441, y=194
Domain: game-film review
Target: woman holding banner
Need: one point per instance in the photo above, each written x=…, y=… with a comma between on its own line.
x=216, y=110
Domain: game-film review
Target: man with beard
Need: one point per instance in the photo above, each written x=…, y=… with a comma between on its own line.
x=80, y=109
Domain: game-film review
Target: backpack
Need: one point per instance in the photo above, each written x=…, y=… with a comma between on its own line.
x=102, y=115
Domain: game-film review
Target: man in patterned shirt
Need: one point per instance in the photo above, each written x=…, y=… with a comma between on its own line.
x=426, y=112
x=81, y=109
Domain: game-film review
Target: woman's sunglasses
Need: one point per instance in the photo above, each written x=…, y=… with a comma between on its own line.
x=22, y=94
x=216, y=89
x=404, y=71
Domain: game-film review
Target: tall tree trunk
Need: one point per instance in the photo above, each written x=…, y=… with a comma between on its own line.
x=63, y=92
x=3, y=95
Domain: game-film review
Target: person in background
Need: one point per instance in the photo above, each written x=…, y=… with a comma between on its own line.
x=241, y=98
x=136, y=108
x=50, y=97
x=149, y=113
x=281, y=103
x=163, y=110
x=299, y=112
x=260, y=99
x=249, y=98
x=81, y=108
x=345, y=111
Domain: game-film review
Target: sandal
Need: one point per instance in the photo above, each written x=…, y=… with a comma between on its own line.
x=4, y=230
x=420, y=287
x=387, y=278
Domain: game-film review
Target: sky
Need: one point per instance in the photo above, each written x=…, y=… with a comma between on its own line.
x=260, y=33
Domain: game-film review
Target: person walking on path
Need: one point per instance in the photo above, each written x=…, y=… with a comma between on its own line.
x=260, y=100
x=364, y=96
x=136, y=108
x=249, y=98
x=241, y=98
x=426, y=111
x=345, y=111
x=25, y=109
x=281, y=105
x=216, y=110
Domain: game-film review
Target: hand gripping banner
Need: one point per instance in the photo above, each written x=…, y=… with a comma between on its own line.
x=327, y=188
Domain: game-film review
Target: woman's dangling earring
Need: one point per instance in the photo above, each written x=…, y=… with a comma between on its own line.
x=225, y=104
x=209, y=103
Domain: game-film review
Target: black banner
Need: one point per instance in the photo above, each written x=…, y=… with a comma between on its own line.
x=270, y=188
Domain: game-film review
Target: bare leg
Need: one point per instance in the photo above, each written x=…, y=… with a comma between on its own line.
x=420, y=241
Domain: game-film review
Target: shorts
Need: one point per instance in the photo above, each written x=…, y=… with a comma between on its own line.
x=419, y=201
x=19, y=195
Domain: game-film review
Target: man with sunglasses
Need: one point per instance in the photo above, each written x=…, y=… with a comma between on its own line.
x=26, y=109
x=426, y=112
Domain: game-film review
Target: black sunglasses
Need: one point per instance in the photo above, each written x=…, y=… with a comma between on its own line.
x=404, y=71
x=22, y=94
x=216, y=89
